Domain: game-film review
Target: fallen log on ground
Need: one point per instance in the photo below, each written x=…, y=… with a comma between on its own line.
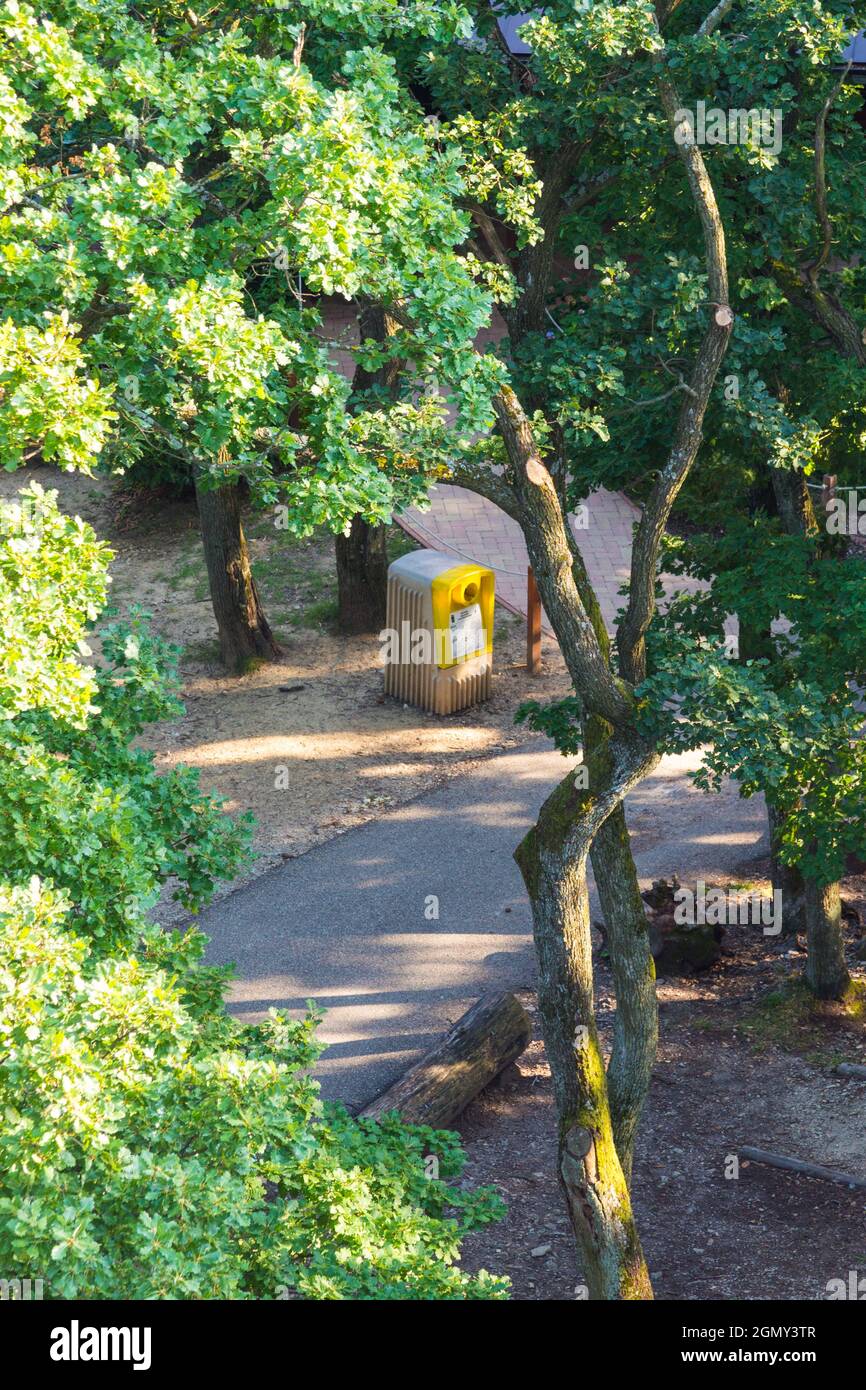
x=796, y=1165
x=479, y=1046
x=850, y=1069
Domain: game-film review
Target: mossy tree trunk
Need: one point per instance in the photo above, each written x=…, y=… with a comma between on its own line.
x=244, y=632
x=599, y=1110
x=553, y=859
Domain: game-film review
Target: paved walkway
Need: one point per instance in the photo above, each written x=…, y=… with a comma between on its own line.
x=466, y=525
x=396, y=927
x=469, y=526
x=472, y=528
x=350, y=923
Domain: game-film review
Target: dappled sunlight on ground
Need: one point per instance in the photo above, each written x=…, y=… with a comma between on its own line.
x=310, y=745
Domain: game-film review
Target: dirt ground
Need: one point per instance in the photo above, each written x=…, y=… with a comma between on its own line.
x=742, y=1061
x=310, y=745
x=739, y=1061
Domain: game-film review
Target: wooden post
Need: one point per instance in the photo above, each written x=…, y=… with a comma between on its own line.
x=828, y=491
x=533, y=625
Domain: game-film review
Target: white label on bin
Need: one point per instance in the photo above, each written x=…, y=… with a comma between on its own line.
x=468, y=637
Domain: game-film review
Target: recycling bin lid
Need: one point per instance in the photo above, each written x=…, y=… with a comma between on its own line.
x=427, y=564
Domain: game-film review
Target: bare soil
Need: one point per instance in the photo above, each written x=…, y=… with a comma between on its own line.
x=310, y=745
x=743, y=1060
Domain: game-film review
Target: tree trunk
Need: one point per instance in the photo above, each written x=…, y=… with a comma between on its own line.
x=553, y=856
x=552, y=860
x=635, y=1031
x=244, y=631
x=362, y=577
x=786, y=878
x=362, y=556
x=793, y=502
x=826, y=972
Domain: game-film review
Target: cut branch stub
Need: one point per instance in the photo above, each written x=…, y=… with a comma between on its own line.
x=537, y=473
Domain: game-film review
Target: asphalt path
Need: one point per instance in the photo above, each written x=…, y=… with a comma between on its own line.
x=396, y=927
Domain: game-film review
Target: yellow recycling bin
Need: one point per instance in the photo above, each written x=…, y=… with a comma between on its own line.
x=438, y=640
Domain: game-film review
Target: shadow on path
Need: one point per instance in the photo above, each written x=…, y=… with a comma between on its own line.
x=397, y=926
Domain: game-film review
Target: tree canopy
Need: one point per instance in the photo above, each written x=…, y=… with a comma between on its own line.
x=151, y=1147
x=175, y=199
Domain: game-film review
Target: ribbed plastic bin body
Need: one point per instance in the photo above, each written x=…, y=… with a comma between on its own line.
x=440, y=624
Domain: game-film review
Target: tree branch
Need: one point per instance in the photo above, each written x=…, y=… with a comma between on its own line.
x=481, y=479
x=485, y=225
x=99, y=312
x=714, y=18
x=665, y=11
x=631, y=635
x=821, y=175
x=825, y=309
x=546, y=531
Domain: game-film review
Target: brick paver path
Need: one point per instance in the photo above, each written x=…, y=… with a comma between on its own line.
x=474, y=529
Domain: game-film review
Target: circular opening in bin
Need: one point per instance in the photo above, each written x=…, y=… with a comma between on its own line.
x=466, y=593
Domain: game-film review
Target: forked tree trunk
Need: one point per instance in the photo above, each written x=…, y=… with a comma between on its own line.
x=552, y=860
x=635, y=1028
x=362, y=577
x=553, y=856
x=826, y=971
x=244, y=632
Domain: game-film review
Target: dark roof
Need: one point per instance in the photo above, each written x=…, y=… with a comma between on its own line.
x=856, y=51
x=508, y=27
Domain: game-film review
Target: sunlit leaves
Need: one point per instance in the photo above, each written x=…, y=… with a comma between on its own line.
x=188, y=214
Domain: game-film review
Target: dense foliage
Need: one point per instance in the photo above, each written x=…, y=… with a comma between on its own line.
x=151, y=1147
x=178, y=190
x=175, y=196
x=79, y=804
x=788, y=721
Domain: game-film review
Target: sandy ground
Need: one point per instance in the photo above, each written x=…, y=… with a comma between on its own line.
x=310, y=745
